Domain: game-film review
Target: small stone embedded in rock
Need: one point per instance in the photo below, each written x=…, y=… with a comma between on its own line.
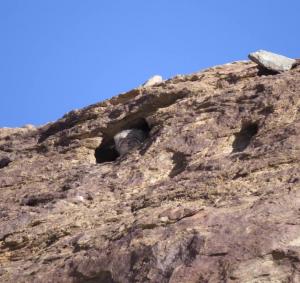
x=164, y=219
x=127, y=140
x=153, y=80
x=272, y=61
x=175, y=214
x=82, y=197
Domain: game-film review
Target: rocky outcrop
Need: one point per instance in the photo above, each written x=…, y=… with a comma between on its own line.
x=212, y=195
x=272, y=61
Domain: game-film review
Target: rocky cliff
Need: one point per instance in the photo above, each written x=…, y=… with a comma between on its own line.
x=212, y=194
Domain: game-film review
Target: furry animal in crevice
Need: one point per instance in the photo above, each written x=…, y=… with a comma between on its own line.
x=127, y=140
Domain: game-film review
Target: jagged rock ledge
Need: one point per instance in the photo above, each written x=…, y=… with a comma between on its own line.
x=212, y=195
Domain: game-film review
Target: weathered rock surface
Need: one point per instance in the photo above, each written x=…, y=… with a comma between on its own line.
x=272, y=61
x=211, y=196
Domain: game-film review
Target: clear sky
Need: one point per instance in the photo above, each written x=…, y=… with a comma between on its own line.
x=58, y=55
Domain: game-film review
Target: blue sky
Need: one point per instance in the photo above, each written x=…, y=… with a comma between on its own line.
x=58, y=55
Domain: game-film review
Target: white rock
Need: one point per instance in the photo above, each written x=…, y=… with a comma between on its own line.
x=28, y=126
x=272, y=61
x=153, y=80
x=164, y=219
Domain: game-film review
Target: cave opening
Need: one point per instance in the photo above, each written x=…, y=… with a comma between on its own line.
x=244, y=137
x=106, y=152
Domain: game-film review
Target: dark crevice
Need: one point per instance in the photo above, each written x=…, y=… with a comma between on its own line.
x=4, y=162
x=232, y=78
x=102, y=276
x=43, y=198
x=180, y=162
x=279, y=255
x=244, y=137
x=267, y=110
x=115, y=114
x=260, y=88
x=265, y=72
x=218, y=254
x=296, y=64
x=194, y=247
x=153, y=135
x=107, y=152
x=240, y=175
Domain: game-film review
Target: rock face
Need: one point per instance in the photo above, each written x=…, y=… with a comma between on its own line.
x=212, y=195
x=272, y=61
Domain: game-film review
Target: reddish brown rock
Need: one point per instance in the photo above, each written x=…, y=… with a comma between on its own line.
x=212, y=195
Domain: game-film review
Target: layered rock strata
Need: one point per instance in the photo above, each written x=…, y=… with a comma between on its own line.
x=211, y=195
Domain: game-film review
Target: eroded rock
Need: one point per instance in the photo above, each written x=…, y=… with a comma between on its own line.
x=212, y=194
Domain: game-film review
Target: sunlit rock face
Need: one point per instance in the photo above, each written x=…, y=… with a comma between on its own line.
x=211, y=195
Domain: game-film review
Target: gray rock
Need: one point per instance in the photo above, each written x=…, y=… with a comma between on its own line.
x=272, y=61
